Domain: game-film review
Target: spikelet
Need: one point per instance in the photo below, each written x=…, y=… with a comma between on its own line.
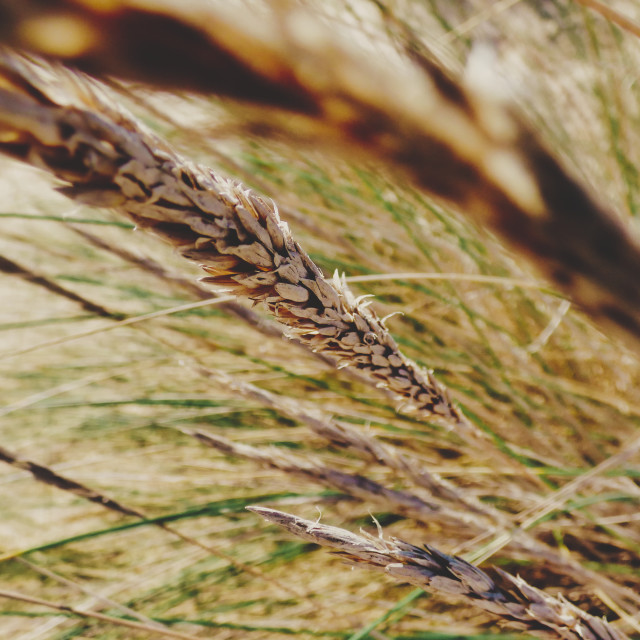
x=107, y=159
x=509, y=598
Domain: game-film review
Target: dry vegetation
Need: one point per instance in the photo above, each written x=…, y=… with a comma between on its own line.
x=486, y=416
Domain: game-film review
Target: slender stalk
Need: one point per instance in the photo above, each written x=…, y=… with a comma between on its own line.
x=358, y=486
x=151, y=629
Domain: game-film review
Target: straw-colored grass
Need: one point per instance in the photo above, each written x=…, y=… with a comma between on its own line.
x=485, y=416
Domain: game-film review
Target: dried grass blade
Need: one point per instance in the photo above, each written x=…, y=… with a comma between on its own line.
x=48, y=476
x=13, y=268
x=93, y=615
x=357, y=486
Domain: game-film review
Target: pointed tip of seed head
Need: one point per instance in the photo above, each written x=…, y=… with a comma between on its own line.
x=272, y=515
x=254, y=509
x=261, y=511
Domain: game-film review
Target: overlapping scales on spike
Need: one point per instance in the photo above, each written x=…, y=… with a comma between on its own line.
x=106, y=158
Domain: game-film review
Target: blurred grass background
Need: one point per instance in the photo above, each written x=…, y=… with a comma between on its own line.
x=106, y=409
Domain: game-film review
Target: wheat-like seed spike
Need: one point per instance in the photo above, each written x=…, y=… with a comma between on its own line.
x=521, y=541
x=257, y=321
x=455, y=142
x=507, y=597
x=107, y=159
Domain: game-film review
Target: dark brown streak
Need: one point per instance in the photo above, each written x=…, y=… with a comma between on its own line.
x=141, y=44
x=13, y=268
x=50, y=477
